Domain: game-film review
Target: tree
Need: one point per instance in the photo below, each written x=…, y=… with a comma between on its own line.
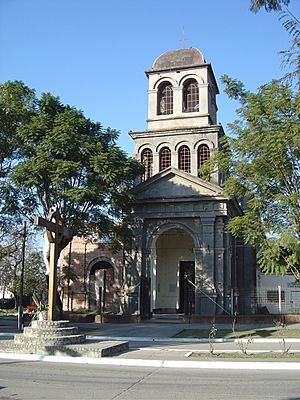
x=58, y=157
x=17, y=104
x=11, y=265
x=262, y=162
x=34, y=276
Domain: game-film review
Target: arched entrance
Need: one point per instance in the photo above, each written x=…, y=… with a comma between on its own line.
x=173, y=272
x=101, y=280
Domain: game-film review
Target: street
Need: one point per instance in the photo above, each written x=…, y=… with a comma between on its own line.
x=28, y=380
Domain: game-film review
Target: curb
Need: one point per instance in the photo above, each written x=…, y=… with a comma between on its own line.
x=190, y=340
x=157, y=363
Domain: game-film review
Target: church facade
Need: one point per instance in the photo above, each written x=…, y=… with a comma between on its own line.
x=182, y=259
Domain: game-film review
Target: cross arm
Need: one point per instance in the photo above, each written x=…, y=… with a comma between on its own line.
x=52, y=226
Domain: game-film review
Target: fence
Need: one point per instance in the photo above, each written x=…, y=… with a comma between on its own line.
x=269, y=300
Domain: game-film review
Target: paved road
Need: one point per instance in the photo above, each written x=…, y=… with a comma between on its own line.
x=23, y=380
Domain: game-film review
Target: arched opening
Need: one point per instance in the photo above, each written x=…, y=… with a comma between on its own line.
x=164, y=158
x=147, y=160
x=203, y=155
x=101, y=280
x=173, y=274
x=190, y=96
x=184, y=159
x=165, y=99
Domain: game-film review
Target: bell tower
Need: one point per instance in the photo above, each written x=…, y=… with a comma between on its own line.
x=182, y=127
x=182, y=91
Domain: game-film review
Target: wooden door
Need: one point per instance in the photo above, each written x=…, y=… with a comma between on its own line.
x=186, y=289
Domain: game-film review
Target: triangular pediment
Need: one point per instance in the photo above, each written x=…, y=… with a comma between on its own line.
x=174, y=183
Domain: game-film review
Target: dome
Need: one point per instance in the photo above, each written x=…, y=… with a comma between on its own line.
x=179, y=58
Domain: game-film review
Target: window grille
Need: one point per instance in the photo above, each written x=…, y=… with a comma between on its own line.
x=184, y=159
x=165, y=99
x=190, y=96
x=164, y=158
x=147, y=160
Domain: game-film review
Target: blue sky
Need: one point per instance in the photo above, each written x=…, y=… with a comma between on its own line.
x=93, y=53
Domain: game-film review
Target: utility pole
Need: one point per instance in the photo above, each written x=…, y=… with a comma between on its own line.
x=20, y=307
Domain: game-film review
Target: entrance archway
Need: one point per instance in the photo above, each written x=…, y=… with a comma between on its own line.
x=101, y=280
x=174, y=266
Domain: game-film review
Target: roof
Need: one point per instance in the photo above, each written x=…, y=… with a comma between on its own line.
x=179, y=58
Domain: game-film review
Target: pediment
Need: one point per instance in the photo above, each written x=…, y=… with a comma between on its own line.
x=173, y=183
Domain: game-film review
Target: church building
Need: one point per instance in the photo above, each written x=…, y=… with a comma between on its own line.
x=182, y=259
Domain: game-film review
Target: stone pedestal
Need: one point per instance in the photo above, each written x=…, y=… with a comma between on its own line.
x=49, y=333
x=59, y=338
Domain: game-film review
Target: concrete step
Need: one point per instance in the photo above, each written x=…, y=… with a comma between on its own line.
x=87, y=349
x=30, y=331
x=50, y=324
x=168, y=318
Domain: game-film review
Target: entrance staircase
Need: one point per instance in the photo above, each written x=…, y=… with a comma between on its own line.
x=167, y=318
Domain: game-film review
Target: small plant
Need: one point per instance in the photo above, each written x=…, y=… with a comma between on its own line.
x=282, y=327
x=211, y=336
x=242, y=345
x=39, y=307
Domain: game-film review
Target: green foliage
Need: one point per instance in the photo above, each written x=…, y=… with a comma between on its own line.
x=59, y=157
x=263, y=167
x=17, y=104
x=269, y=5
x=291, y=24
x=234, y=89
x=291, y=56
x=34, y=273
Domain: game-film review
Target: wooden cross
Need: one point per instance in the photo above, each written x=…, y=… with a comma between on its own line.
x=56, y=233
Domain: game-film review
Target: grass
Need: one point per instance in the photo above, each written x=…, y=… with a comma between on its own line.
x=261, y=356
x=273, y=333
x=7, y=312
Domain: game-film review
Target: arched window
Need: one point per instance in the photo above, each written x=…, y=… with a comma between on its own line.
x=165, y=99
x=164, y=158
x=147, y=160
x=190, y=96
x=203, y=155
x=184, y=159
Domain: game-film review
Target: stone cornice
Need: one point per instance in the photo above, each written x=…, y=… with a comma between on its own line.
x=181, y=131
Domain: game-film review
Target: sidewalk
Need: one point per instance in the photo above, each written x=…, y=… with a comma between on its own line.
x=153, y=345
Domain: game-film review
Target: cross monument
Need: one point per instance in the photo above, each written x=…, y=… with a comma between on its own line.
x=56, y=233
